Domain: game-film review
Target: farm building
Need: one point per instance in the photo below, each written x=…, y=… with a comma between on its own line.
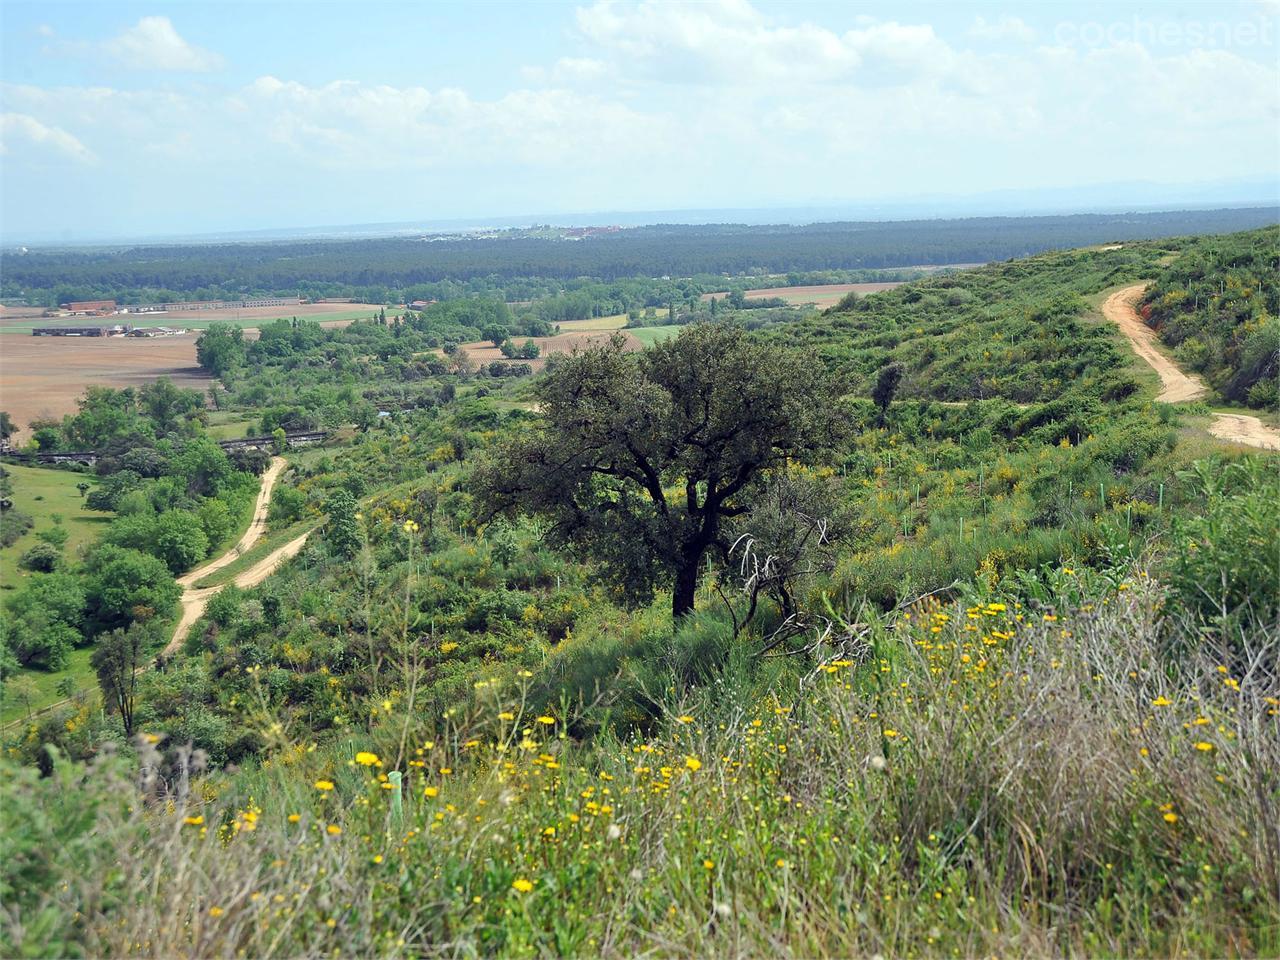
x=217, y=304
x=85, y=308
x=69, y=331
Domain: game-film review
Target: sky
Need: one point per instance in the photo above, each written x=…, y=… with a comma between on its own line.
x=125, y=119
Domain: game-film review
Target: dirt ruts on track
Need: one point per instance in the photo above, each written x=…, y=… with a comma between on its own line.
x=195, y=599
x=1121, y=309
x=1179, y=387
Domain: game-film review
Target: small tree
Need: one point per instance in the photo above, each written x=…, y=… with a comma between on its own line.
x=221, y=348
x=116, y=659
x=180, y=540
x=23, y=689
x=885, y=388
x=343, y=530
x=83, y=487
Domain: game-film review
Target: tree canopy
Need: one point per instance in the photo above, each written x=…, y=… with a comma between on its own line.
x=641, y=457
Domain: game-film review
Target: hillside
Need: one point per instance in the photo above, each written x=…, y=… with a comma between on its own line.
x=1217, y=305
x=981, y=654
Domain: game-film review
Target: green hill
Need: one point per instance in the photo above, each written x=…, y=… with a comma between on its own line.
x=987, y=668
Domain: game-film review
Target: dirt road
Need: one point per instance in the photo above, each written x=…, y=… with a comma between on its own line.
x=1242, y=428
x=1120, y=309
x=195, y=599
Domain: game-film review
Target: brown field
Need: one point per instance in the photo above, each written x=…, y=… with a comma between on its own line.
x=20, y=320
x=820, y=295
x=484, y=352
x=43, y=376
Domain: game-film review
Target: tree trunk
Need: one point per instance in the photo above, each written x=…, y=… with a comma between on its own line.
x=686, y=587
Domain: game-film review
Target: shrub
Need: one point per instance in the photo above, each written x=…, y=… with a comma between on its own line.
x=1224, y=562
x=42, y=558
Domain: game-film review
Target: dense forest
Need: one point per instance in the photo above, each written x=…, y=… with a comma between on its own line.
x=400, y=269
x=913, y=627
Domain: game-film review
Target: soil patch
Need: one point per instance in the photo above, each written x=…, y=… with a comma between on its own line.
x=44, y=376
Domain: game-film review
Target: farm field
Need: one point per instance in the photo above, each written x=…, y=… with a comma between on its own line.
x=43, y=376
x=328, y=314
x=482, y=351
x=40, y=493
x=820, y=295
x=615, y=322
x=226, y=425
x=651, y=335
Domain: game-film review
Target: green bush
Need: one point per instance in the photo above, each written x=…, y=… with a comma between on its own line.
x=1223, y=564
x=42, y=558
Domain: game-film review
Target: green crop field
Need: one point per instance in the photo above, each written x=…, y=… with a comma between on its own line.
x=230, y=426
x=651, y=335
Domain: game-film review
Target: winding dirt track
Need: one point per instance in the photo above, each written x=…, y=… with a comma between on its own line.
x=1121, y=309
x=1179, y=387
x=195, y=599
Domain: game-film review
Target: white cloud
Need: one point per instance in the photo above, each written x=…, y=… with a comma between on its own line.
x=154, y=44
x=21, y=127
x=1005, y=28
x=665, y=104
x=730, y=42
x=383, y=125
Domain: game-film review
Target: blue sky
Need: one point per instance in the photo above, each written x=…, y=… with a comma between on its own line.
x=135, y=119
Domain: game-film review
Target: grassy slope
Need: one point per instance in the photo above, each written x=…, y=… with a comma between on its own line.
x=992, y=781
x=56, y=493
x=1031, y=799
x=651, y=335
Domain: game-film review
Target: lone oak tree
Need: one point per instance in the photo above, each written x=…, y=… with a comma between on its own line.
x=642, y=456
